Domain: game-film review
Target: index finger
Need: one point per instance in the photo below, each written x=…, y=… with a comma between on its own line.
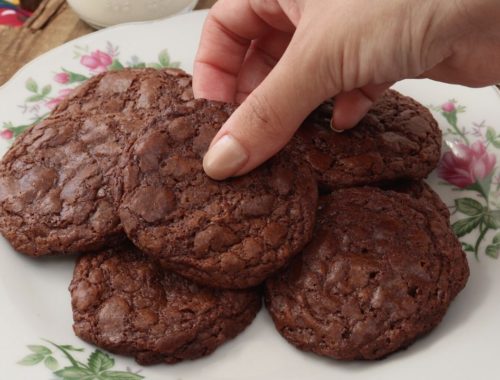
x=229, y=29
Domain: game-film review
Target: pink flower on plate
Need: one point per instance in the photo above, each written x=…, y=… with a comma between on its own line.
x=448, y=107
x=465, y=165
x=62, y=78
x=97, y=61
x=60, y=96
x=6, y=134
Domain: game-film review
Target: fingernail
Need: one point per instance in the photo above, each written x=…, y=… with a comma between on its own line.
x=332, y=127
x=224, y=158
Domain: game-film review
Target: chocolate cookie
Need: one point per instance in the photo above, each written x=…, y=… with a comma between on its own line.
x=136, y=92
x=398, y=138
x=229, y=234
x=380, y=271
x=125, y=303
x=60, y=184
x=419, y=190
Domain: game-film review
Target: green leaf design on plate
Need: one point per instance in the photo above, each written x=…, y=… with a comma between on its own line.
x=46, y=90
x=492, y=219
x=164, y=58
x=491, y=135
x=40, y=350
x=98, y=365
x=493, y=250
x=31, y=359
x=451, y=117
x=31, y=85
x=138, y=65
x=154, y=65
x=469, y=206
x=16, y=130
x=75, y=373
x=75, y=77
x=467, y=247
x=464, y=226
x=99, y=361
x=71, y=348
x=51, y=363
x=119, y=375
x=483, y=186
x=496, y=238
x=115, y=65
x=35, y=98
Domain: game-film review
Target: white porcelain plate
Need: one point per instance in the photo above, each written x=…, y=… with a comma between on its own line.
x=36, y=338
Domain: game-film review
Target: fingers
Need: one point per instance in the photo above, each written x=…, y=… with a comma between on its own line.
x=350, y=107
x=227, y=34
x=267, y=119
x=262, y=56
x=228, y=30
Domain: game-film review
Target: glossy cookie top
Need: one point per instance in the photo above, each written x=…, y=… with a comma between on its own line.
x=398, y=138
x=60, y=184
x=124, y=303
x=229, y=234
x=380, y=271
x=134, y=92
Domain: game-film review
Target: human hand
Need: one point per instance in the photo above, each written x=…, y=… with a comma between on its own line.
x=281, y=58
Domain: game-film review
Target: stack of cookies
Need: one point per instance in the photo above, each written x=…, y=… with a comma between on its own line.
x=172, y=262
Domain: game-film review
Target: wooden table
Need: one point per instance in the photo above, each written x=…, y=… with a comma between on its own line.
x=53, y=24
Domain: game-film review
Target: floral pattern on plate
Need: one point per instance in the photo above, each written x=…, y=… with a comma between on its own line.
x=42, y=98
x=469, y=165
x=98, y=366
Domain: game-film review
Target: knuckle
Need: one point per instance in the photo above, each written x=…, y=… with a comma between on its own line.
x=266, y=9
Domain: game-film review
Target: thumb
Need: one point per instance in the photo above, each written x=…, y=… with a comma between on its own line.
x=268, y=117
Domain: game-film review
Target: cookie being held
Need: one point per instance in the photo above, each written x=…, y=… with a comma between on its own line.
x=228, y=234
x=126, y=304
x=380, y=271
x=398, y=138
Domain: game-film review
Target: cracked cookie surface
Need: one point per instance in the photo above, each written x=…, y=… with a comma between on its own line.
x=134, y=92
x=125, y=303
x=228, y=234
x=60, y=184
x=380, y=271
x=398, y=138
